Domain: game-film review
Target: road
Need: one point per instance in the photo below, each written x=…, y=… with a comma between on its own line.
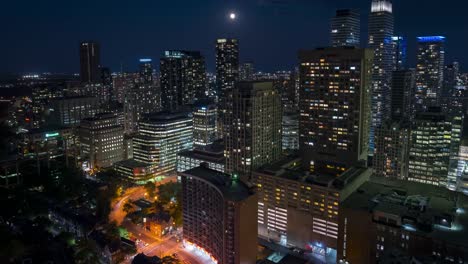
x=160, y=247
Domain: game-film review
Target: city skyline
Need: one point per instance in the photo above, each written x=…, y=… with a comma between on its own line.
x=264, y=28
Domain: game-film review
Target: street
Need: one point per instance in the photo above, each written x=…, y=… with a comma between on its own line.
x=149, y=244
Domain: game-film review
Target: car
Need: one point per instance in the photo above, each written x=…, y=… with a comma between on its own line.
x=146, y=244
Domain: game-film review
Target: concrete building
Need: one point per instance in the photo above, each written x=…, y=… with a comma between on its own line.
x=90, y=62
x=290, y=131
x=69, y=111
x=252, y=125
x=246, y=71
x=429, y=71
x=430, y=145
x=212, y=154
x=334, y=108
x=205, y=121
x=161, y=136
x=427, y=223
x=219, y=214
x=400, y=47
x=346, y=28
x=403, y=86
x=183, y=79
x=391, y=152
x=300, y=209
x=101, y=140
x=134, y=171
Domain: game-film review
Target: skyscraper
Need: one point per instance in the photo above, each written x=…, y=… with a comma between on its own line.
x=89, y=62
x=246, y=71
x=400, y=47
x=227, y=64
x=391, y=150
x=160, y=137
x=429, y=71
x=227, y=73
x=252, y=125
x=183, y=78
x=205, y=119
x=334, y=108
x=381, y=23
x=451, y=79
x=219, y=215
x=430, y=147
x=346, y=28
x=146, y=71
x=403, y=84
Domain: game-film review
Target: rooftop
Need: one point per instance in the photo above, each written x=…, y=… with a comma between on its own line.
x=131, y=163
x=426, y=209
x=232, y=189
x=166, y=116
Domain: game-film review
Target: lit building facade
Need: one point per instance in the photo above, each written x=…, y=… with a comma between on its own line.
x=252, y=125
x=227, y=64
x=212, y=155
x=334, y=108
x=246, y=71
x=69, y=111
x=101, y=140
x=299, y=209
x=381, y=27
x=183, y=78
x=160, y=137
x=205, y=121
x=219, y=215
x=391, y=151
x=290, y=131
x=430, y=144
x=429, y=71
x=346, y=28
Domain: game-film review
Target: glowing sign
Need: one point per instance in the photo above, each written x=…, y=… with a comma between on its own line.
x=146, y=60
x=431, y=39
x=51, y=135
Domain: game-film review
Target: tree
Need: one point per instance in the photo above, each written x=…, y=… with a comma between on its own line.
x=170, y=260
x=150, y=189
x=87, y=251
x=168, y=191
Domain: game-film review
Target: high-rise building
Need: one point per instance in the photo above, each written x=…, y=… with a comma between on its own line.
x=290, y=130
x=246, y=71
x=204, y=123
x=299, y=209
x=69, y=111
x=403, y=84
x=227, y=74
x=334, y=108
x=183, y=79
x=346, y=28
x=451, y=79
x=252, y=125
x=427, y=224
x=90, y=61
x=430, y=147
x=160, y=137
x=219, y=215
x=101, y=140
x=429, y=71
x=400, y=47
x=381, y=23
x=391, y=151
x=146, y=71
x=227, y=64
x=122, y=83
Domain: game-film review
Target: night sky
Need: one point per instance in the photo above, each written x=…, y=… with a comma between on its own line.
x=43, y=35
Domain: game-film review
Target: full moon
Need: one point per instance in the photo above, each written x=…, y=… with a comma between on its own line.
x=232, y=16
